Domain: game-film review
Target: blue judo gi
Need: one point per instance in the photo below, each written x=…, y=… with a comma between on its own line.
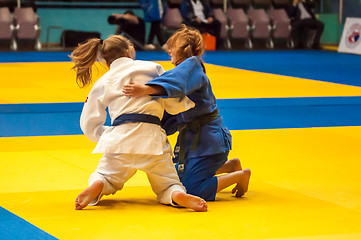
x=213, y=139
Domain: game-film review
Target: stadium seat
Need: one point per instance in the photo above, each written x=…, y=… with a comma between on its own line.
x=7, y=28
x=219, y=14
x=172, y=19
x=28, y=27
x=261, y=23
x=281, y=25
x=239, y=21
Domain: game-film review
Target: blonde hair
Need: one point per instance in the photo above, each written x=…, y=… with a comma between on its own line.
x=187, y=42
x=85, y=55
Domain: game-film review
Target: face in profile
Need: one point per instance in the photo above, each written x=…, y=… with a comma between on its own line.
x=172, y=53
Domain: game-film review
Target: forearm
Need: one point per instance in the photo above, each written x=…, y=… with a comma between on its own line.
x=128, y=17
x=138, y=90
x=131, y=18
x=155, y=90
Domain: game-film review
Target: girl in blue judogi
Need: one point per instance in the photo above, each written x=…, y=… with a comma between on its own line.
x=203, y=142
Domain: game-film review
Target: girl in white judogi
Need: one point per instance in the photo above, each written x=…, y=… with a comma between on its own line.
x=135, y=140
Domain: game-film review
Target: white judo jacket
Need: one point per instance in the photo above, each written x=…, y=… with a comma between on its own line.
x=134, y=138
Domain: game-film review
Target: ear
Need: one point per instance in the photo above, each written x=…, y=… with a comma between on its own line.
x=131, y=53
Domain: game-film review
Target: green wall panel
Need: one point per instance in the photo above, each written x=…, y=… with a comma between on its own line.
x=331, y=33
x=54, y=20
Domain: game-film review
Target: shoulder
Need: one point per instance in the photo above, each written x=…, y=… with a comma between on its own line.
x=149, y=67
x=147, y=64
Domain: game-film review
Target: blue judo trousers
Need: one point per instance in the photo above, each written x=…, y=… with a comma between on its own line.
x=214, y=140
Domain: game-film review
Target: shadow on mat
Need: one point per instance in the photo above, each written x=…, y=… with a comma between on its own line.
x=127, y=202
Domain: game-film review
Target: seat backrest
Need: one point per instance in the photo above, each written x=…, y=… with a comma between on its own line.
x=172, y=18
x=278, y=14
x=235, y=15
x=25, y=15
x=5, y=15
x=258, y=15
x=27, y=21
x=5, y=23
x=239, y=22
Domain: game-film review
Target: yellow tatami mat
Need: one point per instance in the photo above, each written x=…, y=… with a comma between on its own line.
x=55, y=82
x=305, y=184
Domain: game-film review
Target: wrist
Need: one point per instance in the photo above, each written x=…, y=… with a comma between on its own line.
x=149, y=90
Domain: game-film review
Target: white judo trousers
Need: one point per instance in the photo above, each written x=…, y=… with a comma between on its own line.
x=129, y=147
x=116, y=169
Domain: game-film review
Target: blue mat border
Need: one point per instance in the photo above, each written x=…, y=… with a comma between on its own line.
x=13, y=227
x=222, y=103
x=48, y=119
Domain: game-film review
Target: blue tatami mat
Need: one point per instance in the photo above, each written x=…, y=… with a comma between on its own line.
x=311, y=64
x=239, y=114
x=13, y=227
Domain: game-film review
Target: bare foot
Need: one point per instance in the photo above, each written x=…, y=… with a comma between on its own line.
x=189, y=201
x=242, y=186
x=86, y=196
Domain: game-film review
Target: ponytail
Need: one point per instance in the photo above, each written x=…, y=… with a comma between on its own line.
x=110, y=49
x=84, y=56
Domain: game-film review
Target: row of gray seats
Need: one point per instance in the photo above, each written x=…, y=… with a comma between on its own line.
x=22, y=24
x=247, y=20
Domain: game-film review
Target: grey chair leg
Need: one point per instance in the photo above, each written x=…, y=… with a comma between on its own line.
x=37, y=41
x=270, y=44
x=249, y=44
x=13, y=45
x=290, y=43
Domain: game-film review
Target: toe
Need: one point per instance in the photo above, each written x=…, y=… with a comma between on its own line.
x=234, y=190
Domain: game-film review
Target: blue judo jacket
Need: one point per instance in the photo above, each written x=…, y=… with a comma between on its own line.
x=152, y=11
x=188, y=79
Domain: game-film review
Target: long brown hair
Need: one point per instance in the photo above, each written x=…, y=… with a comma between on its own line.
x=188, y=42
x=85, y=55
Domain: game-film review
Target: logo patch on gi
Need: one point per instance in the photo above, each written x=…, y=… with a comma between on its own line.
x=176, y=150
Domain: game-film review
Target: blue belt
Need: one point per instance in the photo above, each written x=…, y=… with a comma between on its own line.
x=136, y=117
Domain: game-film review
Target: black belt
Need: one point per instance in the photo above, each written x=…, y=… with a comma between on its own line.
x=136, y=117
x=195, y=126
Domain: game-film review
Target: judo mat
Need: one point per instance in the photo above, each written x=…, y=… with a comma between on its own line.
x=295, y=118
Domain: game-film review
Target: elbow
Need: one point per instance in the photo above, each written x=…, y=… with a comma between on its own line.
x=91, y=135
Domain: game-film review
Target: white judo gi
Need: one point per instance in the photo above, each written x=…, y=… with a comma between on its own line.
x=131, y=146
